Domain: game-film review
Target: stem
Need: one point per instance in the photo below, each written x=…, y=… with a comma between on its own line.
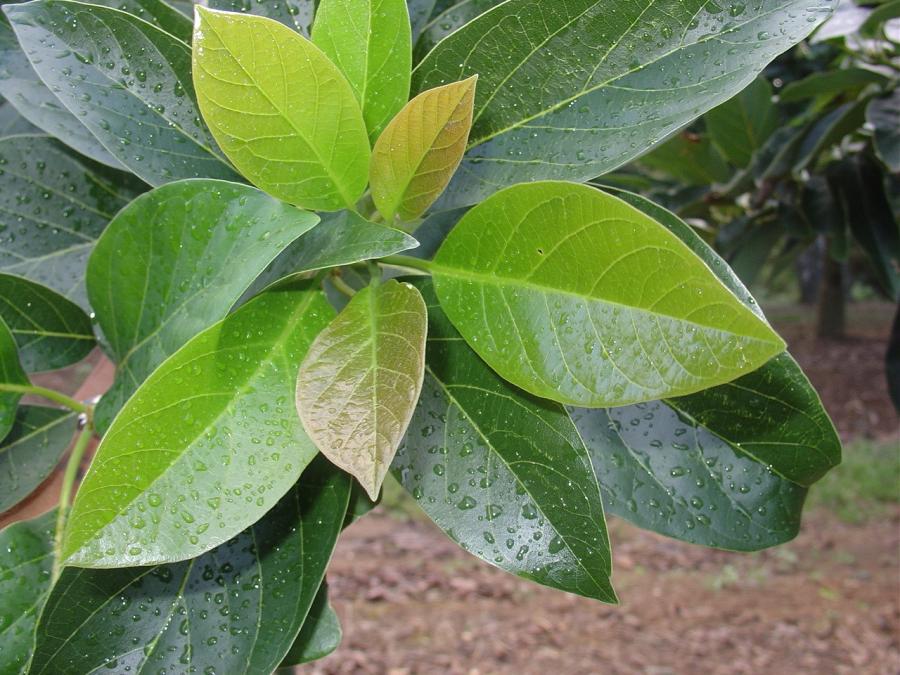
x=49, y=394
x=408, y=261
x=65, y=494
x=342, y=286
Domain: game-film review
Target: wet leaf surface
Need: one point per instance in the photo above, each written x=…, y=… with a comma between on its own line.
x=10, y=373
x=295, y=14
x=320, y=635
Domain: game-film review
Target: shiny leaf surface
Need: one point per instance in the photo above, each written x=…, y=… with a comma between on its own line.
x=10, y=373
x=321, y=633
x=281, y=111
x=576, y=296
x=360, y=380
x=295, y=14
x=206, y=445
x=449, y=21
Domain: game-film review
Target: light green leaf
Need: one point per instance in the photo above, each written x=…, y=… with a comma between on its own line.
x=10, y=373
x=98, y=67
x=360, y=380
x=173, y=263
x=295, y=14
x=504, y=474
x=50, y=331
x=281, y=111
x=575, y=88
x=31, y=450
x=739, y=127
x=206, y=445
x=576, y=296
x=234, y=610
x=830, y=83
x=369, y=41
x=44, y=187
x=320, y=636
x=884, y=115
x=416, y=156
x=671, y=475
x=28, y=559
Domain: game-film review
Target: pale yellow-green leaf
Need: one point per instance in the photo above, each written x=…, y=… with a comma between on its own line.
x=418, y=152
x=281, y=111
x=359, y=383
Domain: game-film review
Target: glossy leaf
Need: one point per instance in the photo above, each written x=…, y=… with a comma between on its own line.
x=576, y=296
x=173, y=263
x=28, y=561
x=235, y=609
x=419, y=13
x=295, y=14
x=369, y=41
x=81, y=198
x=321, y=633
x=11, y=122
x=10, y=373
x=739, y=127
x=634, y=73
x=159, y=13
x=360, y=380
x=144, y=115
x=416, y=156
x=502, y=473
x=449, y=21
x=671, y=475
x=281, y=111
x=206, y=445
x=830, y=83
x=50, y=331
x=772, y=415
x=31, y=450
x=884, y=116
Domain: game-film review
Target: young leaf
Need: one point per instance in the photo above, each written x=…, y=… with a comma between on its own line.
x=321, y=633
x=95, y=59
x=571, y=90
x=416, y=156
x=360, y=380
x=295, y=14
x=80, y=199
x=502, y=473
x=31, y=450
x=576, y=296
x=206, y=445
x=50, y=331
x=739, y=127
x=173, y=262
x=28, y=561
x=281, y=111
x=668, y=474
x=234, y=610
x=10, y=373
x=369, y=41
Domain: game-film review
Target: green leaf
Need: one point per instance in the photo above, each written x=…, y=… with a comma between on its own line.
x=22, y=87
x=449, y=21
x=10, y=373
x=829, y=131
x=321, y=633
x=173, y=262
x=691, y=159
x=38, y=438
x=50, y=331
x=875, y=24
x=45, y=188
x=11, y=122
x=416, y=156
x=575, y=296
x=295, y=14
x=884, y=116
x=892, y=362
x=369, y=41
x=772, y=415
x=28, y=561
x=419, y=13
x=206, y=445
x=504, y=474
x=826, y=85
x=741, y=126
x=95, y=59
x=234, y=610
x=360, y=380
x=158, y=13
x=571, y=90
x=281, y=111
x=671, y=475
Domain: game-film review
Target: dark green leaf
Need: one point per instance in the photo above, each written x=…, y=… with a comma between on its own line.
x=433, y=230
x=449, y=21
x=829, y=131
x=50, y=331
x=12, y=123
x=576, y=296
x=892, y=362
x=884, y=116
x=321, y=633
x=573, y=89
x=295, y=14
x=831, y=83
x=419, y=13
x=27, y=564
x=10, y=373
x=144, y=115
x=173, y=263
x=741, y=126
x=874, y=25
x=32, y=449
x=234, y=610
x=206, y=445
x=502, y=473
x=690, y=158
x=53, y=206
x=158, y=13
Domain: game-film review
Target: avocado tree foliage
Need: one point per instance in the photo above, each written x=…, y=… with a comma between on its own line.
x=324, y=242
